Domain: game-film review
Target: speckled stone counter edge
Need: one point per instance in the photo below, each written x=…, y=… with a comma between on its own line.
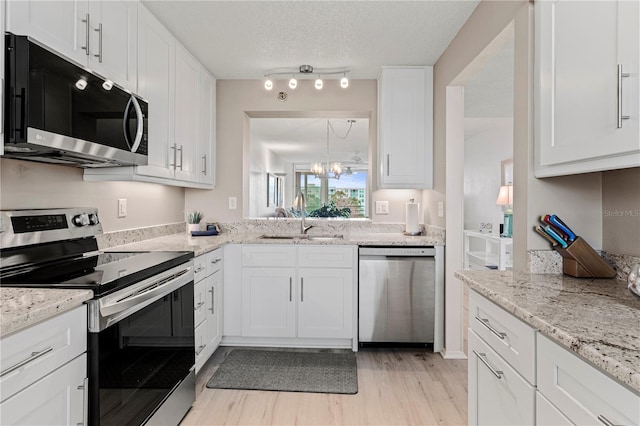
x=550, y=262
x=23, y=307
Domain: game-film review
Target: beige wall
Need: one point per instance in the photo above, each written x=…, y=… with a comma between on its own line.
x=621, y=211
x=26, y=185
x=237, y=100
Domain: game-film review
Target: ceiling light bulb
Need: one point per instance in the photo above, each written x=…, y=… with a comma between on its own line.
x=107, y=85
x=344, y=82
x=293, y=83
x=319, y=84
x=268, y=84
x=81, y=84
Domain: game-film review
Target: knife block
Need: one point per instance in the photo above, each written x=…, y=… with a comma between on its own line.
x=580, y=260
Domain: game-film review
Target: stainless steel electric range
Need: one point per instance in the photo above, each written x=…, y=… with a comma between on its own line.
x=140, y=342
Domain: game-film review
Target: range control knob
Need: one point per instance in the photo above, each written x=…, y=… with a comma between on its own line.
x=81, y=220
x=93, y=219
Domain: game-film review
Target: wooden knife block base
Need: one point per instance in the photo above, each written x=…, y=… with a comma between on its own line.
x=582, y=261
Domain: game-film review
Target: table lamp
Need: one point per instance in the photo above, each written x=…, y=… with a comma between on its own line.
x=505, y=198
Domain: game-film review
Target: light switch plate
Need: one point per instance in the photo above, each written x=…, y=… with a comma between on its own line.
x=122, y=207
x=382, y=207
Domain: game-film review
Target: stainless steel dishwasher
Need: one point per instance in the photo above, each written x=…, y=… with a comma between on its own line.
x=401, y=295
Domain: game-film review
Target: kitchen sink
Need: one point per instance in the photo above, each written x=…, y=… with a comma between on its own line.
x=302, y=237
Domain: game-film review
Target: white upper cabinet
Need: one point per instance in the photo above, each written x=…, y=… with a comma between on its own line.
x=100, y=35
x=205, y=151
x=187, y=86
x=587, y=92
x=405, y=127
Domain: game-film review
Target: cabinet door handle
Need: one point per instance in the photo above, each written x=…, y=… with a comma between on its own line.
x=198, y=306
x=175, y=153
x=214, y=261
x=181, y=157
x=483, y=357
x=621, y=75
x=290, y=289
x=199, y=269
x=605, y=421
x=86, y=42
x=213, y=300
x=85, y=402
x=33, y=357
x=388, y=164
x=485, y=322
x=204, y=164
x=99, y=55
x=302, y=289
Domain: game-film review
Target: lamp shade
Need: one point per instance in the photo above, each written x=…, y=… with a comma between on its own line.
x=505, y=196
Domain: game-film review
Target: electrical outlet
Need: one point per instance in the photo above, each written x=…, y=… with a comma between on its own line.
x=233, y=203
x=382, y=207
x=441, y=209
x=122, y=207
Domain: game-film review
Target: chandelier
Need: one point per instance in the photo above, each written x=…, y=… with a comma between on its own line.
x=330, y=170
x=306, y=71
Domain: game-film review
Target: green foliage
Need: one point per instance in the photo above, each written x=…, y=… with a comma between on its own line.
x=194, y=217
x=331, y=210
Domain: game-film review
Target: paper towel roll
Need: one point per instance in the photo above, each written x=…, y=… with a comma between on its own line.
x=412, y=225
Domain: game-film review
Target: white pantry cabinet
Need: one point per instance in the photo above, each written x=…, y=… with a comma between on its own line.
x=304, y=292
x=181, y=125
x=405, y=127
x=586, y=86
x=44, y=372
x=207, y=305
x=101, y=35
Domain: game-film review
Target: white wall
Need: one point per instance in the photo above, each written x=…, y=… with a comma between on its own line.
x=26, y=185
x=487, y=142
x=262, y=161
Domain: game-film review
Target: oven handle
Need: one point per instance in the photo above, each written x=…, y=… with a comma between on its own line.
x=153, y=290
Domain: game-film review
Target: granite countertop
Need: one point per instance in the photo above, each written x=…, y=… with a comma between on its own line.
x=599, y=319
x=204, y=244
x=22, y=307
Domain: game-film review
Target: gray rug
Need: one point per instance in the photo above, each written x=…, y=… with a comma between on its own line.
x=320, y=372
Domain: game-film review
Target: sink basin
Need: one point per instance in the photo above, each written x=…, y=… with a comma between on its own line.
x=302, y=237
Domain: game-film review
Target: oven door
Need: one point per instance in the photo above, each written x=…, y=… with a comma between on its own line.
x=141, y=348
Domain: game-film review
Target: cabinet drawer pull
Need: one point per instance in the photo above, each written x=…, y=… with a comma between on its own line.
x=213, y=300
x=485, y=322
x=605, y=421
x=483, y=357
x=198, y=306
x=85, y=402
x=200, y=349
x=86, y=47
x=34, y=356
x=199, y=269
x=214, y=261
x=620, y=76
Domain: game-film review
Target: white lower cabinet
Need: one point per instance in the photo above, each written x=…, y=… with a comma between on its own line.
x=284, y=297
x=498, y=395
x=547, y=414
x=583, y=394
x=44, y=372
x=207, y=299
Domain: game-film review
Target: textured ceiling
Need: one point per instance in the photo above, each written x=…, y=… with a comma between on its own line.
x=304, y=140
x=245, y=39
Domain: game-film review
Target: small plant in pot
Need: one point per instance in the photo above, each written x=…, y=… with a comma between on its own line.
x=193, y=220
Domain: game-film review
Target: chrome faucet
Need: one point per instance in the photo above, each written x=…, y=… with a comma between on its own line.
x=300, y=204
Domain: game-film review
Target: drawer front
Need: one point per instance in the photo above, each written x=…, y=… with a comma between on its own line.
x=199, y=267
x=57, y=399
x=547, y=414
x=582, y=392
x=38, y=350
x=269, y=255
x=214, y=261
x=514, y=340
x=498, y=395
x=200, y=338
x=199, y=302
x=326, y=256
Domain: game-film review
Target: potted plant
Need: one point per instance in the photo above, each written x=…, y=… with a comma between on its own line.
x=193, y=221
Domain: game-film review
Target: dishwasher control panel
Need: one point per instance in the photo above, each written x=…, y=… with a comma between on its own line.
x=397, y=251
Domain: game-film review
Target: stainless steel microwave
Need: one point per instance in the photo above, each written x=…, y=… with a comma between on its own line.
x=58, y=112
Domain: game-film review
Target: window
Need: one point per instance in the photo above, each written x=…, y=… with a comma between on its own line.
x=350, y=192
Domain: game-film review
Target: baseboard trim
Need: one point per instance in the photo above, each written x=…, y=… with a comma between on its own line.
x=452, y=354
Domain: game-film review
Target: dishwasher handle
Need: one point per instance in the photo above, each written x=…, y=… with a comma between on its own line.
x=399, y=252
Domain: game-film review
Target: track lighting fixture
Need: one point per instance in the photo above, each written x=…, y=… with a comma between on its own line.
x=305, y=72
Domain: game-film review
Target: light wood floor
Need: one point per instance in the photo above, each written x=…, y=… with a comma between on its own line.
x=405, y=386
